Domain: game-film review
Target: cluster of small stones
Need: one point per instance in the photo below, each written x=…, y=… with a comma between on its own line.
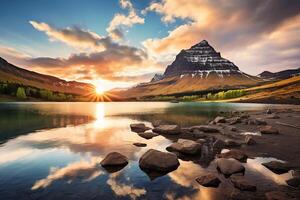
x=229, y=163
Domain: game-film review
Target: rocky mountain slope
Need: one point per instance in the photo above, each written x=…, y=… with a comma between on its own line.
x=196, y=69
x=279, y=75
x=14, y=74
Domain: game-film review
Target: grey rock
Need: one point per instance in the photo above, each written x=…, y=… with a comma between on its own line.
x=268, y=130
x=167, y=129
x=185, y=146
x=114, y=159
x=147, y=135
x=240, y=182
x=156, y=123
x=256, y=122
x=198, y=134
x=229, y=166
x=208, y=180
x=294, y=182
x=158, y=161
x=249, y=140
x=232, y=143
x=218, y=145
x=277, y=195
x=205, y=128
x=139, y=127
x=277, y=167
x=140, y=144
x=235, y=154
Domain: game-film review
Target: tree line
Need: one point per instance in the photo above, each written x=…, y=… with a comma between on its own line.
x=23, y=92
x=230, y=94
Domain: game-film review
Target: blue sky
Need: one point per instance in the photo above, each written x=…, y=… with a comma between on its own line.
x=78, y=35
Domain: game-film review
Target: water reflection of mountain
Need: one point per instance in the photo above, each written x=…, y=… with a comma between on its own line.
x=15, y=122
x=183, y=115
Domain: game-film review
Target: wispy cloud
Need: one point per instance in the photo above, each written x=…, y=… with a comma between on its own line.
x=120, y=21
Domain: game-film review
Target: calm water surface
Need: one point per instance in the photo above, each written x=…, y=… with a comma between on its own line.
x=53, y=150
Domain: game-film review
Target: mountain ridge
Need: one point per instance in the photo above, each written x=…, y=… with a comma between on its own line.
x=14, y=74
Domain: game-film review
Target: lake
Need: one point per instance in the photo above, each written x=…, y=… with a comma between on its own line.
x=53, y=150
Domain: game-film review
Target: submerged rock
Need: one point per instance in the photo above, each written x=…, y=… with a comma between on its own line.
x=240, y=182
x=294, y=182
x=167, y=129
x=185, y=146
x=218, y=145
x=232, y=143
x=269, y=130
x=208, y=180
x=249, y=140
x=229, y=166
x=147, y=135
x=205, y=128
x=158, y=161
x=139, y=127
x=277, y=195
x=256, y=122
x=235, y=154
x=140, y=144
x=114, y=159
x=277, y=167
x=272, y=116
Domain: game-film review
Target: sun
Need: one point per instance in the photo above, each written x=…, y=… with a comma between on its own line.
x=99, y=90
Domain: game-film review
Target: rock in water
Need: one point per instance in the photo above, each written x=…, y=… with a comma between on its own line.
x=294, y=182
x=229, y=166
x=269, y=130
x=241, y=183
x=167, y=129
x=139, y=127
x=140, y=144
x=185, y=146
x=209, y=180
x=277, y=167
x=277, y=195
x=158, y=161
x=235, y=154
x=249, y=140
x=147, y=135
x=114, y=159
x=205, y=128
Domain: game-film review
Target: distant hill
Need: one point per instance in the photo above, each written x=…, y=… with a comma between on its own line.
x=279, y=75
x=199, y=68
x=13, y=74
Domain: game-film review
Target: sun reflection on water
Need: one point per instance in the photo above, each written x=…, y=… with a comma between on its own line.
x=100, y=116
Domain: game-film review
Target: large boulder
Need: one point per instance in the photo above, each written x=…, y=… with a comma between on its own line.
x=167, y=129
x=208, y=180
x=229, y=166
x=235, y=154
x=205, y=128
x=185, y=146
x=240, y=182
x=154, y=160
x=268, y=130
x=277, y=167
x=147, y=135
x=114, y=159
x=139, y=127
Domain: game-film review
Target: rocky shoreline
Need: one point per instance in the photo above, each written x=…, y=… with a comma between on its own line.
x=229, y=140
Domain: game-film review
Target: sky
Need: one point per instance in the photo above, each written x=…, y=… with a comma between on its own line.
x=120, y=43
